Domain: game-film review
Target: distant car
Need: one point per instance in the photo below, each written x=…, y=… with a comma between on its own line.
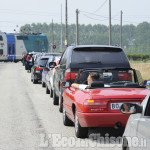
x=86, y=56
x=46, y=68
x=98, y=105
x=36, y=70
x=50, y=79
x=137, y=133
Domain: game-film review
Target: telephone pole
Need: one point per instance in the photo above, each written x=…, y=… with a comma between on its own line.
x=52, y=35
x=110, y=40
x=77, y=27
x=66, y=33
x=121, y=29
x=61, y=30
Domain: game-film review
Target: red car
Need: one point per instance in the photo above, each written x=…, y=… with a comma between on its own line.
x=99, y=104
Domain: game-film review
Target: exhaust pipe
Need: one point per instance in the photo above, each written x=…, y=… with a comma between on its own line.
x=118, y=125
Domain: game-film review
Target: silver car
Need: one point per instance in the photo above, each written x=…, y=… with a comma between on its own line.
x=137, y=132
x=50, y=77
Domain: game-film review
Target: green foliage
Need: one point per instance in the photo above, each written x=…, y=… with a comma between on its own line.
x=135, y=39
x=138, y=56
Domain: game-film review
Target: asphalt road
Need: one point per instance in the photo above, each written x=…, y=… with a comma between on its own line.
x=29, y=120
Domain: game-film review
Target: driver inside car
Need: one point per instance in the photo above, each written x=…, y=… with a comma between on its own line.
x=93, y=76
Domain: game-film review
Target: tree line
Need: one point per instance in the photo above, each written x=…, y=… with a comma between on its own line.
x=135, y=39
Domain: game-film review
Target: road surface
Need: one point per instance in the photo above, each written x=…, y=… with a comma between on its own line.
x=30, y=121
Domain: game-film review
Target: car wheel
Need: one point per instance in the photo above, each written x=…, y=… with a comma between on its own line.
x=81, y=132
x=51, y=93
x=55, y=98
x=60, y=103
x=47, y=90
x=66, y=120
x=35, y=81
x=125, y=144
x=43, y=84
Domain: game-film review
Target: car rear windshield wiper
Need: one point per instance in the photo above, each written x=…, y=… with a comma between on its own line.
x=91, y=62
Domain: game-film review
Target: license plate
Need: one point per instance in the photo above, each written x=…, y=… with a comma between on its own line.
x=116, y=106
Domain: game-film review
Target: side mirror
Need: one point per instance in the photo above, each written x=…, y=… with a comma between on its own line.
x=65, y=84
x=52, y=64
x=131, y=108
x=146, y=83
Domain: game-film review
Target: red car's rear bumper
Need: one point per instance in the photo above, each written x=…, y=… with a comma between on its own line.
x=101, y=119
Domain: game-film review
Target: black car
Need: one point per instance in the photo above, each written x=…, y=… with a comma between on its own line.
x=36, y=70
x=85, y=56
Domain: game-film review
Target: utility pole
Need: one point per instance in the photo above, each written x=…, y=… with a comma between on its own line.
x=110, y=40
x=61, y=30
x=66, y=33
x=77, y=27
x=121, y=29
x=52, y=35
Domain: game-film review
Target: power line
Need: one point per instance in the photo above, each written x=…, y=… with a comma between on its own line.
x=93, y=14
x=100, y=6
x=108, y=18
x=93, y=18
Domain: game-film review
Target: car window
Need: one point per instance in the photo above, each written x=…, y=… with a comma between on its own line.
x=97, y=55
x=139, y=77
x=147, y=110
x=64, y=59
x=42, y=62
x=37, y=60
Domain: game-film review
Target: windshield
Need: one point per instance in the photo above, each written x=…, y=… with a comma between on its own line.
x=42, y=62
x=98, y=56
x=111, y=77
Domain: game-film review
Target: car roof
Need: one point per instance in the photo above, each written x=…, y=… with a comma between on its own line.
x=42, y=57
x=52, y=54
x=84, y=46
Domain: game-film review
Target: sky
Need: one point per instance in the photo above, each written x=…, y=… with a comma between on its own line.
x=16, y=13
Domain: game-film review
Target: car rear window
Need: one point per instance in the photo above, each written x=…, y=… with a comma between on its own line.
x=42, y=62
x=98, y=54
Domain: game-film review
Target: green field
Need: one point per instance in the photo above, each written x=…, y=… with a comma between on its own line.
x=144, y=68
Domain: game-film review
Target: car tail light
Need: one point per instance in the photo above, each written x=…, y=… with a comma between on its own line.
x=70, y=75
x=125, y=76
x=38, y=68
x=92, y=105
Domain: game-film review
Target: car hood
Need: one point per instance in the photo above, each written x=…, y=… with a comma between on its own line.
x=119, y=93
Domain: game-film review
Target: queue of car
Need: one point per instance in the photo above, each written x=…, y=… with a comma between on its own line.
x=100, y=105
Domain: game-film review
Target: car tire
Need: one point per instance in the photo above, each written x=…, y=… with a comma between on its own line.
x=60, y=103
x=43, y=84
x=55, y=98
x=47, y=90
x=51, y=93
x=81, y=132
x=125, y=144
x=66, y=120
x=35, y=81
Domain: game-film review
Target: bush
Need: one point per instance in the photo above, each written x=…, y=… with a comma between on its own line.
x=138, y=57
